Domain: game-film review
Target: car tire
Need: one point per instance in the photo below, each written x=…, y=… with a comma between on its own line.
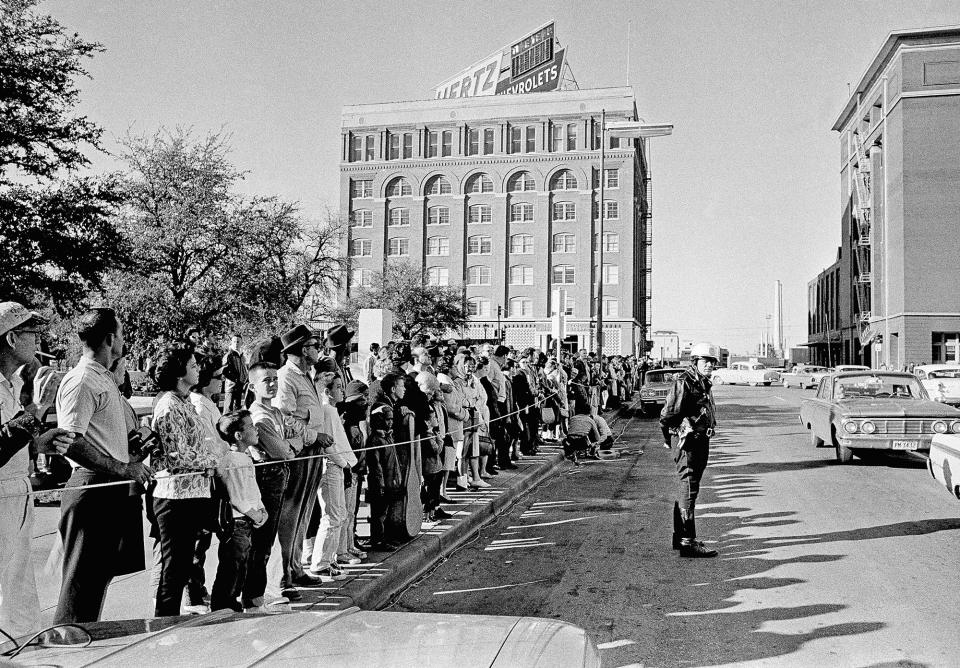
x=755, y=384
x=844, y=454
x=815, y=440
x=785, y=382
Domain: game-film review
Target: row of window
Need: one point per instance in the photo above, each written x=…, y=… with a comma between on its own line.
x=481, y=275
x=481, y=244
x=519, y=307
x=479, y=214
x=479, y=183
x=479, y=141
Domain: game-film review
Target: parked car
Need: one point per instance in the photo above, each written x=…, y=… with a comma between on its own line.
x=840, y=368
x=804, y=376
x=874, y=410
x=656, y=385
x=349, y=638
x=942, y=382
x=944, y=461
x=745, y=373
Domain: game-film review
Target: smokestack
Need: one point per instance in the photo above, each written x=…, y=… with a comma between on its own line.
x=778, y=317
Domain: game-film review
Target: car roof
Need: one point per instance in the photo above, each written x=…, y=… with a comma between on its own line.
x=873, y=372
x=936, y=367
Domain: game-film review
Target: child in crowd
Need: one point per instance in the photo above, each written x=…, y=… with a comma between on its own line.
x=236, y=471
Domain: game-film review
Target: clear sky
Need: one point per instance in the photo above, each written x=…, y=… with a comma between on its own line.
x=746, y=191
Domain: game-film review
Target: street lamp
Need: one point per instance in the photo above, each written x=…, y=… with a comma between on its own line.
x=630, y=130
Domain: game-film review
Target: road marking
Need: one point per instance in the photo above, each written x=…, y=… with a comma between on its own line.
x=615, y=643
x=515, y=540
x=550, y=524
x=494, y=548
x=467, y=591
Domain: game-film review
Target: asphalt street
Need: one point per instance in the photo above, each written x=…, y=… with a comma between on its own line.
x=820, y=564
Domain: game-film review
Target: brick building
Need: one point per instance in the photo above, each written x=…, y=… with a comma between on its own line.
x=500, y=194
x=900, y=201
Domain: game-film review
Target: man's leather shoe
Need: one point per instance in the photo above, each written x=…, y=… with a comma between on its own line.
x=509, y=465
x=441, y=514
x=695, y=549
x=291, y=594
x=306, y=580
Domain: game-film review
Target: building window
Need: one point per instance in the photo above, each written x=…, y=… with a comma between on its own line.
x=394, y=152
x=362, y=278
x=521, y=274
x=563, y=180
x=479, y=183
x=407, y=145
x=478, y=307
x=438, y=185
x=399, y=217
x=478, y=275
x=620, y=142
x=572, y=137
x=613, y=178
x=611, y=307
x=531, y=139
x=488, y=141
x=521, y=307
x=433, y=141
x=481, y=214
x=398, y=247
x=473, y=141
x=611, y=209
x=361, y=247
x=564, y=211
x=356, y=148
x=521, y=182
x=946, y=347
x=556, y=137
x=521, y=244
x=611, y=242
x=564, y=243
x=368, y=153
x=399, y=187
x=611, y=274
x=564, y=274
x=361, y=188
x=521, y=213
x=438, y=215
x=361, y=218
x=568, y=306
x=516, y=140
x=447, y=145
x=438, y=276
x=438, y=246
x=479, y=245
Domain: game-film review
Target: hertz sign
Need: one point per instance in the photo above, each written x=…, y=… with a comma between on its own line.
x=531, y=65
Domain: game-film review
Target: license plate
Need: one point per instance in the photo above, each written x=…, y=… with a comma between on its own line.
x=906, y=445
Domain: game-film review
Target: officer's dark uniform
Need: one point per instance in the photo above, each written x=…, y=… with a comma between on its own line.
x=689, y=410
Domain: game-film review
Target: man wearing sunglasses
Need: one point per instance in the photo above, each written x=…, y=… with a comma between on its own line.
x=19, y=427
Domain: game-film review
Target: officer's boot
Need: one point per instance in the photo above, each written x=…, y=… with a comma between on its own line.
x=677, y=526
x=689, y=545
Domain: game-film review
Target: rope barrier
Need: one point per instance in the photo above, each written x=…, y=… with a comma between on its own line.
x=209, y=472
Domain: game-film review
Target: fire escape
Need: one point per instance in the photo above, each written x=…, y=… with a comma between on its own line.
x=861, y=235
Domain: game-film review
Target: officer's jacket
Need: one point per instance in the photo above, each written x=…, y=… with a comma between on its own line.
x=690, y=397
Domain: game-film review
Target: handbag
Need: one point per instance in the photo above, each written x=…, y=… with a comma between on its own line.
x=222, y=516
x=486, y=446
x=547, y=415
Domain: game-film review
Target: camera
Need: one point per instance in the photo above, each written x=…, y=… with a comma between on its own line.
x=144, y=443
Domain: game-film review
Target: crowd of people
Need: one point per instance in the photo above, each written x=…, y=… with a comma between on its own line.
x=277, y=442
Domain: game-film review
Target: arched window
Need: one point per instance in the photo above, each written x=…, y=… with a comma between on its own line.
x=438, y=215
x=361, y=218
x=361, y=248
x=521, y=212
x=521, y=182
x=521, y=307
x=564, y=274
x=521, y=244
x=479, y=245
x=478, y=307
x=362, y=278
x=438, y=276
x=521, y=274
x=563, y=180
x=398, y=247
x=564, y=211
x=399, y=217
x=479, y=183
x=564, y=242
x=438, y=246
x=481, y=214
x=438, y=185
x=478, y=274
x=399, y=187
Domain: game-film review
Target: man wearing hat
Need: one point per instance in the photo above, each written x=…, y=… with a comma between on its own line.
x=297, y=397
x=337, y=343
x=19, y=426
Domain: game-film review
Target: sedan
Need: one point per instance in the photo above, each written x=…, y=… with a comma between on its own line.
x=804, y=376
x=745, y=373
x=861, y=411
x=656, y=385
x=941, y=381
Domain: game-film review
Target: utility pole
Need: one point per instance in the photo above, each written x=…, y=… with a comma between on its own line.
x=603, y=156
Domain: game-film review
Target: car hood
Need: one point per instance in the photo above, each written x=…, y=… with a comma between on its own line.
x=350, y=638
x=895, y=408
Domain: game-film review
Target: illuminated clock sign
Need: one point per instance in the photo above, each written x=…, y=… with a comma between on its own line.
x=532, y=51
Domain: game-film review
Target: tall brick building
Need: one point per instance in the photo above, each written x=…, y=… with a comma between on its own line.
x=897, y=298
x=500, y=194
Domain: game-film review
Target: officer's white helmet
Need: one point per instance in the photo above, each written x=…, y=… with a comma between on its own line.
x=705, y=350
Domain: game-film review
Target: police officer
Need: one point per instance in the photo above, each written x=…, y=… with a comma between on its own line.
x=690, y=413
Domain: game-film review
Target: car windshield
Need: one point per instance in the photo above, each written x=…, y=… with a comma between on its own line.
x=661, y=376
x=944, y=373
x=878, y=386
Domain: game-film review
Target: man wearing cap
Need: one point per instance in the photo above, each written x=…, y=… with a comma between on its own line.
x=337, y=343
x=297, y=397
x=19, y=426
x=691, y=413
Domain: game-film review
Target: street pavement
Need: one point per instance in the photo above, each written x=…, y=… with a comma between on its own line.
x=821, y=564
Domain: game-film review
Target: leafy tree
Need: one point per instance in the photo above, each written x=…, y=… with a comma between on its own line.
x=56, y=235
x=417, y=308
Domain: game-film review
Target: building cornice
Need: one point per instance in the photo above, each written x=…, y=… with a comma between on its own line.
x=478, y=161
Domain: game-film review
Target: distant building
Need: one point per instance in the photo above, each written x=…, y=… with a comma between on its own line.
x=891, y=298
x=666, y=345
x=499, y=194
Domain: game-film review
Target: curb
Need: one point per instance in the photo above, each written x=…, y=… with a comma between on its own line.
x=376, y=583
